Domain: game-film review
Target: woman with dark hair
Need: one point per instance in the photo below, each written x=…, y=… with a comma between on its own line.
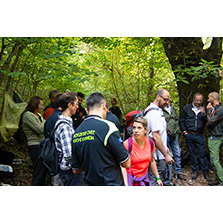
x=115, y=108
x=33, y=126
x=141, y=149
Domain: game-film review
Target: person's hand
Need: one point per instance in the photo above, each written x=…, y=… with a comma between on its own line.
x=209, y=107
x=160, y=183
x=202, y=109
x=169, y=159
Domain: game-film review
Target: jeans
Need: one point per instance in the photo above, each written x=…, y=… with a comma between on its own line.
x=70, y=179
x=161, y=167
x=214, y=148
x=195, y=144
x=57, y=181
x=39, y=171
x=173, y=145
x=175, y=151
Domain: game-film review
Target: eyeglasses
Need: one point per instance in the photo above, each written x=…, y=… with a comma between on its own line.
x=165, y=99
x=75, y=103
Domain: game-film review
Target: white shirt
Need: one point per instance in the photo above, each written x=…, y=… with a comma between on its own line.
x=157, y=122
x=168, y=109
x=196, y=110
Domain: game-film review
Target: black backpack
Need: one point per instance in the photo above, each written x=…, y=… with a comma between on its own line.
x=49, y=155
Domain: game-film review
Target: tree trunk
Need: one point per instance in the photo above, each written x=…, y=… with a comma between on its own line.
x=188, y=52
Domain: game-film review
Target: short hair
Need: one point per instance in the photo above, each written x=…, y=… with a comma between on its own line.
x=115, y=100
x=80, y=94
x=160, y=91
x=53, y=93
x=94, y=100
x=141, y=120
x=65, y=99
x=197, y=94
x=33, y=103
x=214, y=95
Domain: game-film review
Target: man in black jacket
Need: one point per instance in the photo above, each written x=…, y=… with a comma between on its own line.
x=192, y=123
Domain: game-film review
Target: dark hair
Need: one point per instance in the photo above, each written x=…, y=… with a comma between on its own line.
x=33, y=103
x=94, y=100
x=80, y=94
x=53, y=93
x=65, y=99
x=57, y=101
x=114, y=99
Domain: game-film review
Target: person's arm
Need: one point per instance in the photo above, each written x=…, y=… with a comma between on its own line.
x=30, y=120
x=127, y=163
x=77, y=171
x=124, y=174
x=214, y=118
x=65, y=140
x=159, y=144
x=153, y=168
x=182, y=122
x=117, y=148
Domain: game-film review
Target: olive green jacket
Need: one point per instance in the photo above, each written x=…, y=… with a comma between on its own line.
x=172, y=122
x=33, y=128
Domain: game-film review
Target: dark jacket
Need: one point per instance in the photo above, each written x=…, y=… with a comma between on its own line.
x=79, y=116
x=116, y=111
x=113, y=118
x=172, y=122
x=189, y=121
x=215, y=121
x=50, y=122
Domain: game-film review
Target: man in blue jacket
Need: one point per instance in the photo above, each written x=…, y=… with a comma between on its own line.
x=192, y=123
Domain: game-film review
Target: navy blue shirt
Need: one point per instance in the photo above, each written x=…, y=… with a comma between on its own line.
x=98, y=150
x=50, y=122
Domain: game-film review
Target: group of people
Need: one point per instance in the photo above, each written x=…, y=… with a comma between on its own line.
x=90, y=144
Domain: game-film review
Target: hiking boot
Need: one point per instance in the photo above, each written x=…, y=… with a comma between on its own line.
x=214, y=183
x=207, y=177
x=194, y=175
x=181, y=176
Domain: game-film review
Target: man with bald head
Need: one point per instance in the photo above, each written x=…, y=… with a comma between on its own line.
x=215, y=132
x=157, y=130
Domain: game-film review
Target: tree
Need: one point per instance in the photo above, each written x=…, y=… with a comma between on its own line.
x=196, y=69
x=129, y=68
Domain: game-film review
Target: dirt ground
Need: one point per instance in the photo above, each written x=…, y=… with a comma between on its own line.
x=23, y=171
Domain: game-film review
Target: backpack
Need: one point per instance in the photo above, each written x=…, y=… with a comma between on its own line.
x=130, y=117
x=49, y=155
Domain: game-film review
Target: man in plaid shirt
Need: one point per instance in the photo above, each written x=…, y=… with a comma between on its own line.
x=63, y=136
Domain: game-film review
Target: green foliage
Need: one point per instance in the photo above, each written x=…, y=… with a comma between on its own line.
x=202, y=71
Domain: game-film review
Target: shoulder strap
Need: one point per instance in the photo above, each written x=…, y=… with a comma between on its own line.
x=52, y=133
x=151, y=144
x=130, y=144
x=146, y=111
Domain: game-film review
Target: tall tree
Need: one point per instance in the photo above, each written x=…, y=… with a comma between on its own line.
x=196, y=69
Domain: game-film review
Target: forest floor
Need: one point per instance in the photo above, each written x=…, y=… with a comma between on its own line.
x=23, y=171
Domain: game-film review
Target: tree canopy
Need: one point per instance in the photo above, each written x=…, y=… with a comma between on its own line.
x=130, y=68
